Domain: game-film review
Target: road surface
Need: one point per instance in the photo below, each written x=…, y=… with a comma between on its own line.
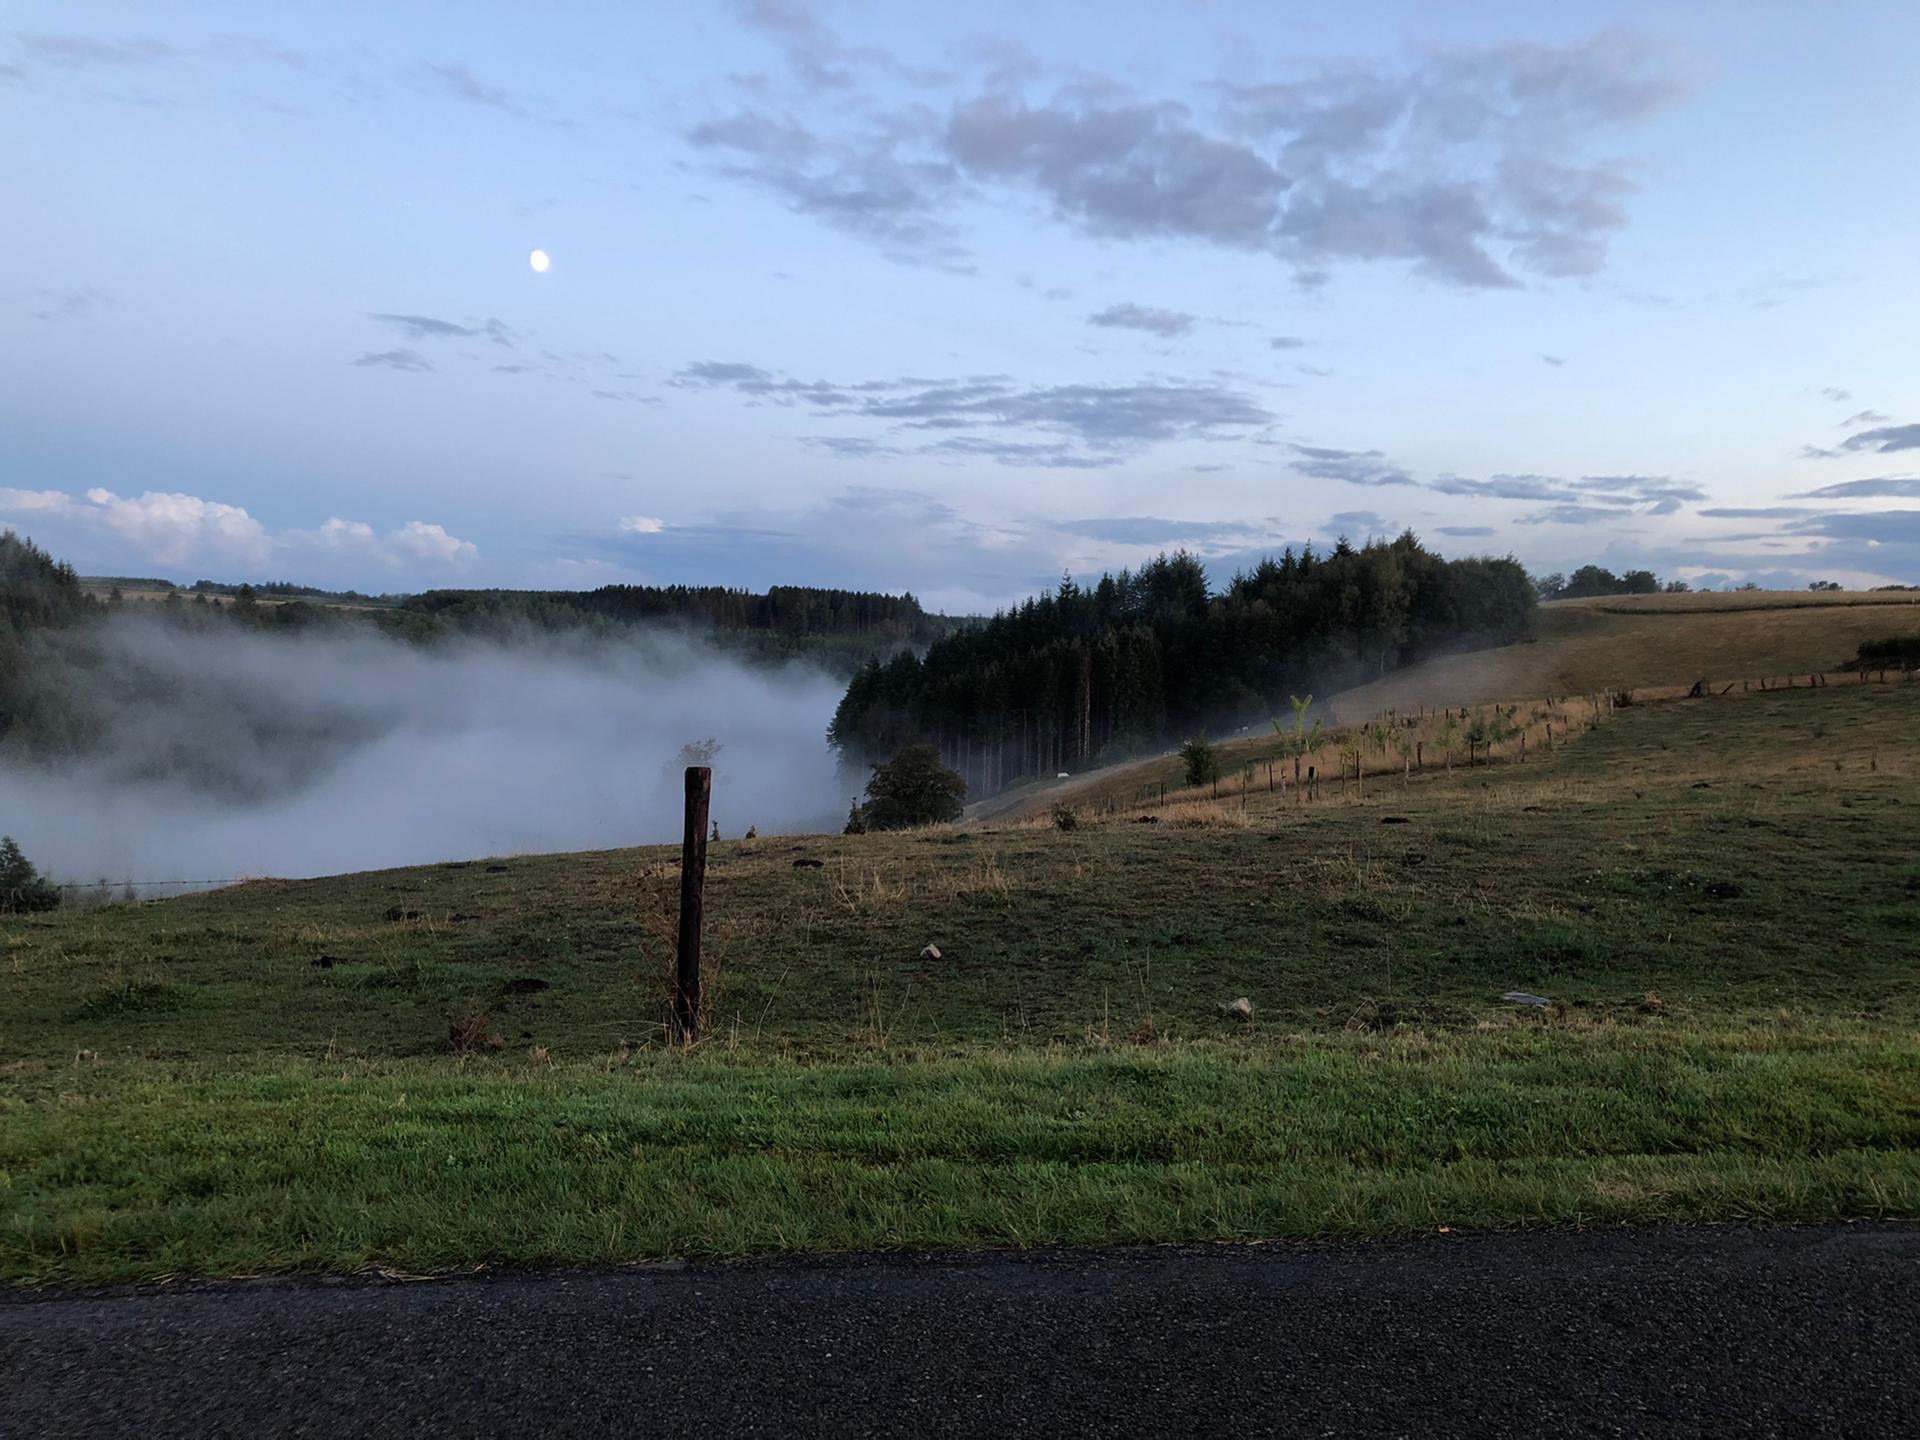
x=1661, y=1332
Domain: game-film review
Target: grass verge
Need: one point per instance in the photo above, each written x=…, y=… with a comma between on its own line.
x=418, y=1167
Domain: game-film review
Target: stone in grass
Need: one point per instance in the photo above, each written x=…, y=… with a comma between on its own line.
x=1521, y=997
x=932, y=952
x=1240, y=1009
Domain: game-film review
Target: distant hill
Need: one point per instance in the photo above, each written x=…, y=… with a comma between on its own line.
x=1585, y=645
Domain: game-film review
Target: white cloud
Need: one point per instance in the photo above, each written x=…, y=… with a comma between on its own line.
x=105, y=530
x=338, y=534
x=641, y=525
x=162, y=526
x=32, y=502
x=418, y=540
x=413, y=544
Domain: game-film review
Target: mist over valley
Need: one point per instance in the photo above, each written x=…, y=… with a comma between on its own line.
x=217, y=754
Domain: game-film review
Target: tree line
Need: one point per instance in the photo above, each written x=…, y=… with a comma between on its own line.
x=1094, y=672
x=49, y=640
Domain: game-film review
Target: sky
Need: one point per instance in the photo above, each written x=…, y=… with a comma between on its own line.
x=956, y=299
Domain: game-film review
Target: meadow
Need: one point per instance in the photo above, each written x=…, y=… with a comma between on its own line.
x=1651, y=640
x=462, y=1064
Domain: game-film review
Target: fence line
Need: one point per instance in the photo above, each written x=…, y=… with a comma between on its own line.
x=143, y=884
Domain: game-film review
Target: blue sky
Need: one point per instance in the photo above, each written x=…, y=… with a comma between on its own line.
x=911, y=297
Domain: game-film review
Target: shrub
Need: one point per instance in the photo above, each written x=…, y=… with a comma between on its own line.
x=913, y=788
x=1066, y=817
x=23, y=890
x=1201, y=760
x=470, y=1028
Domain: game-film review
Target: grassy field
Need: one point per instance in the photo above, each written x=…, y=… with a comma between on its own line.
x=1718, y=896
x=1647, y=640
x=148, y=595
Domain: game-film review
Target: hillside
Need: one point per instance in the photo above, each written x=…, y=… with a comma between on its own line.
x=435, y=1067
x=1647, y=643
x=1582, y=646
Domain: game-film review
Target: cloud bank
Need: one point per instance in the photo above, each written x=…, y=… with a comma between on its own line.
x=161, y=528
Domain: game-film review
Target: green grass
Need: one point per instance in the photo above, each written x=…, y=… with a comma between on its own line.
x=1721, y=896
x=419, y=1167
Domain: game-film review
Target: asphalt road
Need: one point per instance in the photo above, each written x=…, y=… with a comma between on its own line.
x=1666, y=1332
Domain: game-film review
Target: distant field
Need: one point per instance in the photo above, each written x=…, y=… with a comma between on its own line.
x=1707, y=602
x=150, y=596
x=1647, y=640
x=1718, y=897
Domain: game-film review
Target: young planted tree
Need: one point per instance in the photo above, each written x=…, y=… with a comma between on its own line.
x=1300, y=739
x=1500, y=729
x=1404, y=745
x=1351, y=749
x=1477, y=736
x=1380, y=739
x=1449, y=739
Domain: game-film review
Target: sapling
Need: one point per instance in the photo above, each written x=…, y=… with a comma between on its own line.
x=1381, y=738
x=1476, y=737
x=1403, y=745
x=1300, y=739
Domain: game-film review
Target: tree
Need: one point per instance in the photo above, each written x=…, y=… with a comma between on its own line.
x=1477, y=735
x=1550, y=587
x=699, y=752
x=1826, y=585
x=1405, y=746
x=914, y=788
x=1143, y=658
x=1201, y=760
x=1591, y=580
x=1449, y=739
x=22, y=888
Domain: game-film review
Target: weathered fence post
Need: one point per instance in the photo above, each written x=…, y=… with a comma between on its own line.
x=693, y=903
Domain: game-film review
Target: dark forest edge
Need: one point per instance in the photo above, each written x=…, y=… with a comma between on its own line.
x=1093, y=674
x=1088, y=674
x=51, y=619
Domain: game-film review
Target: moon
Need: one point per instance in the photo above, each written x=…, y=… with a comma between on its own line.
x=539, y=261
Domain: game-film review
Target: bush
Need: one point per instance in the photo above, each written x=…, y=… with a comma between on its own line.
x=470, y=1028
x=22, y=888
x=913, y=788
x=1201, y=760
x=1065, y=817
x=1896, y=650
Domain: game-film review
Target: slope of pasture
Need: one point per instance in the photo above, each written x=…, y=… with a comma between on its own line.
x=1647, y=640
x=1718, y=895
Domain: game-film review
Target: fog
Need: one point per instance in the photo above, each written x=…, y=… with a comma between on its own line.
x=230, y=754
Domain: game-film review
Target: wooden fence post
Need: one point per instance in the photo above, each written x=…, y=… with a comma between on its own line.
x=693, y=903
